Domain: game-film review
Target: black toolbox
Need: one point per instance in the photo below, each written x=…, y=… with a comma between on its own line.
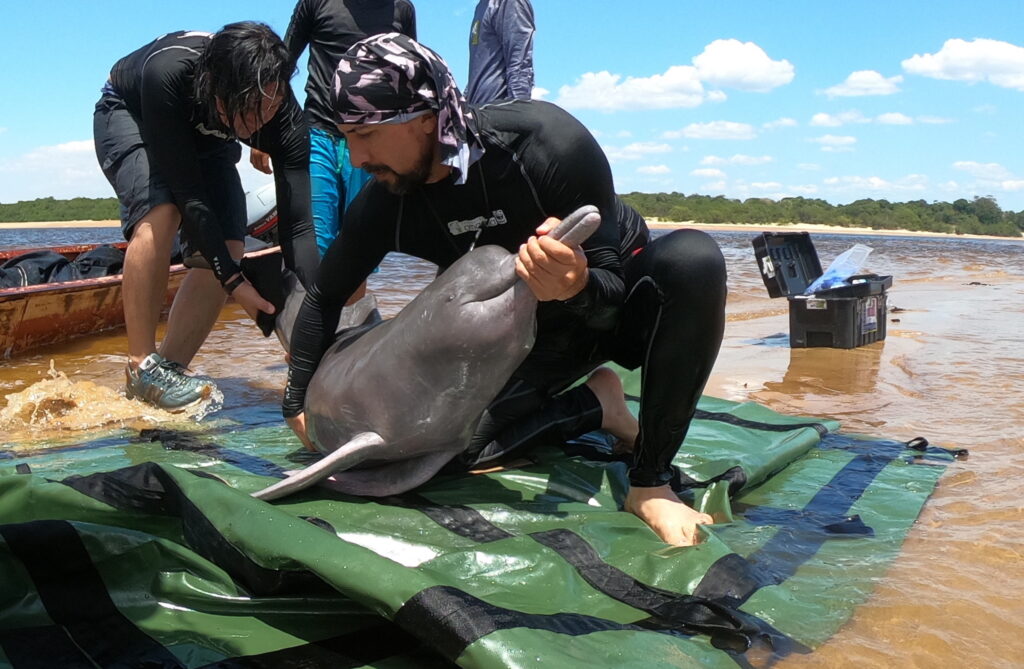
x=845, y=316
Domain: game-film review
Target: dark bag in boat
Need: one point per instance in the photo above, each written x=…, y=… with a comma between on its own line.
x=104, y=260
x=32, y=268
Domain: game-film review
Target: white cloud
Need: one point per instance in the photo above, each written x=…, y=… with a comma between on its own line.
x=836, y=120
x=70, y=170
x=741, y=65
x=635, y=151
x=766, y=185
x=988, y=171
x=1013, y=185
x=894, y=118
x=738, y=159
x=654, y=169
x=780, y=123
x=730, y=63
x=62, y=171
x=865, y=82
x=708, y=173
x=909, y=183
x=539, y=93
x=996, y=62
x=809, y=167
x=933, y=119
x=2, y=130
x=678, y=87
x=835, y=143
x=714, y=130
x=805, y=189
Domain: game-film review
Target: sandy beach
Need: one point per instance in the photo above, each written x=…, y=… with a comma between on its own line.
x=653, y=223
x=816, y=228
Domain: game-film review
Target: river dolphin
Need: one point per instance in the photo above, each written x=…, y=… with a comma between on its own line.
x=392, y=402
x=282, y=288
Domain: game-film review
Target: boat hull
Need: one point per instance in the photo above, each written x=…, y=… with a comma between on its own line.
x=55, y=313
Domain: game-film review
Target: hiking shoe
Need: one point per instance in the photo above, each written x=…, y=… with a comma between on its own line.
x=165, y=384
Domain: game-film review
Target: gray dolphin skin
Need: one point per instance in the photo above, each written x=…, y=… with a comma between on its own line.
x=266, y=271
x=363, y=312
x=391, y=403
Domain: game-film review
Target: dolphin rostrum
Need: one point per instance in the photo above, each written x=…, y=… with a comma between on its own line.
x=392, y=402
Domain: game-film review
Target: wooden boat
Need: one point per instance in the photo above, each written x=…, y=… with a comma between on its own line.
x=53, y=313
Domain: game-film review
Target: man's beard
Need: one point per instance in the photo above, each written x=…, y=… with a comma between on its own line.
x=402, y=183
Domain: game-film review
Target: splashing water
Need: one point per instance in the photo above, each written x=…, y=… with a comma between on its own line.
x=57, y=407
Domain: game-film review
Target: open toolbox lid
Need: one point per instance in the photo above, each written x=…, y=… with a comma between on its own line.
x=789, y=264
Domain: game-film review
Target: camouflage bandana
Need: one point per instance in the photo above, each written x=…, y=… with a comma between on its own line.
x=391, y=78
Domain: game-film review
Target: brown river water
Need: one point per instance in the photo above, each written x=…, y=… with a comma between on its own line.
x=951, y=370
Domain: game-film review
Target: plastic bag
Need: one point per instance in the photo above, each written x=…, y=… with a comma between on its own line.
x=842, y=268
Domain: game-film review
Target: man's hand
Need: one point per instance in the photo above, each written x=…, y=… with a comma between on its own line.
x=253, y=303
x=298, y=426
x=552, y=270
x=260, y=161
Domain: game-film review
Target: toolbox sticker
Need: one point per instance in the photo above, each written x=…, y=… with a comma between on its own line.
x=869, y=318
x=817, y=304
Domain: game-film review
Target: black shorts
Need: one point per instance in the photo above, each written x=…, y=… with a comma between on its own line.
x=125, y=162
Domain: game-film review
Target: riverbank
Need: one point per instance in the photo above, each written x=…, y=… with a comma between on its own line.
x=653, y=223
x=31, y=225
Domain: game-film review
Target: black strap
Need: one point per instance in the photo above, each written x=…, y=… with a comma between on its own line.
x=231, y=285
x=76, y=600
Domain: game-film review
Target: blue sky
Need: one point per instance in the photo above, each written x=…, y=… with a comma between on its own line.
x=902, y=100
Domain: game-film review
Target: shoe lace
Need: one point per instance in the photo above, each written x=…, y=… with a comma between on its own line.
x=173, y=373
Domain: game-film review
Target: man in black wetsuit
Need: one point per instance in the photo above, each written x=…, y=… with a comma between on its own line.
x=449, y=177
x=166, y=130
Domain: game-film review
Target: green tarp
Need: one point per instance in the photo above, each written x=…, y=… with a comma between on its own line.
x=147, y=551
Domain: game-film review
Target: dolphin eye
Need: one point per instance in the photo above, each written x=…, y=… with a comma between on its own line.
x=449, y=298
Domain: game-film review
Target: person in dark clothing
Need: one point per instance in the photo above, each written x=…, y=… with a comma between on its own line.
x=329, y=28
x=166, y=129
x=448, y=177
x=501, y=51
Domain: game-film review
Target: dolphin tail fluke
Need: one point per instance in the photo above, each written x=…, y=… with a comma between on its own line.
x=354, y=451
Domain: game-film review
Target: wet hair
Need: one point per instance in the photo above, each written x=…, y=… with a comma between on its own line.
x=239, y=68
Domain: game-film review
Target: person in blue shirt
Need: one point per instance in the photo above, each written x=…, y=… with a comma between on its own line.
x=501, y=51
x=329, y=28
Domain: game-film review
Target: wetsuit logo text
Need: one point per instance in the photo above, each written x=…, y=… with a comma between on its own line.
x=474, y=224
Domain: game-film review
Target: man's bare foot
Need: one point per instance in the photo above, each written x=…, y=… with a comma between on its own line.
x=616, y=417
x=672, y=520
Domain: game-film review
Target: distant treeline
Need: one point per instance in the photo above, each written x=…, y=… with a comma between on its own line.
x=49, y=209
x=980, y=216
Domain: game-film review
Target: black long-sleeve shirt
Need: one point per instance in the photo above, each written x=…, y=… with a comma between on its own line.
x=156, y=83
x=539, y=161
x=330, y=27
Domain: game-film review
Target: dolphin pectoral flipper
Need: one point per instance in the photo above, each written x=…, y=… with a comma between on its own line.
x=353, y=452
x=390, y=478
